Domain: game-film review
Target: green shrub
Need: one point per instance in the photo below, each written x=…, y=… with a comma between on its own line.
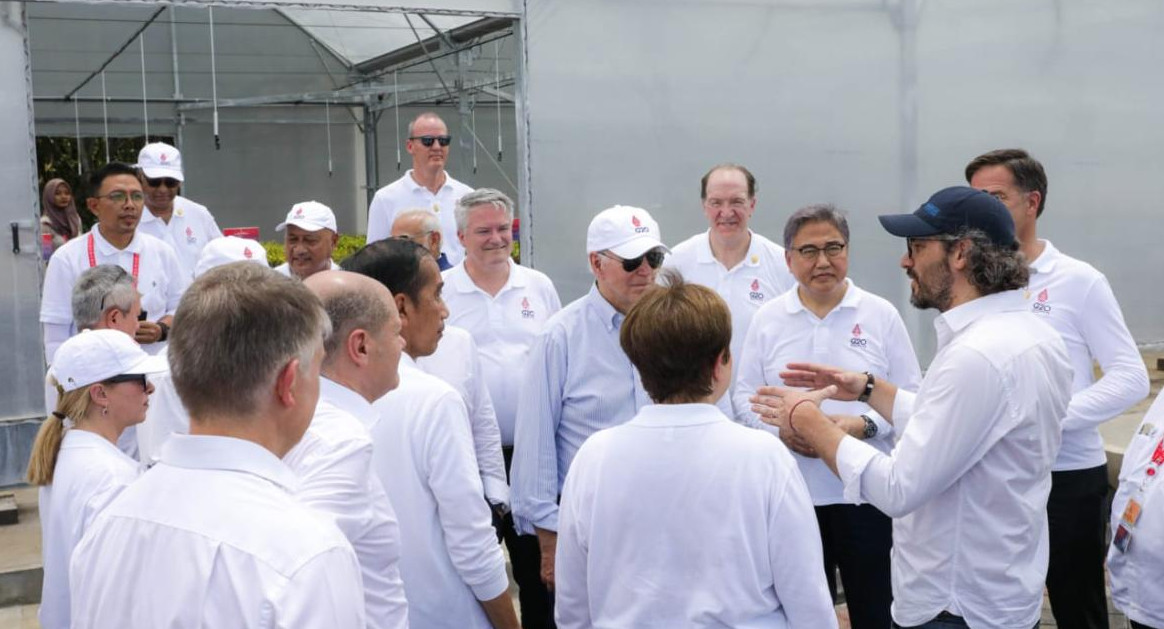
x=346, y=246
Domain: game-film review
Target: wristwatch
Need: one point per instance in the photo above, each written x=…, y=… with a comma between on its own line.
x=864, y=397
x=870, y=426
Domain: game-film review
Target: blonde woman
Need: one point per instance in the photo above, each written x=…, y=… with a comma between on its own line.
x=101, y=380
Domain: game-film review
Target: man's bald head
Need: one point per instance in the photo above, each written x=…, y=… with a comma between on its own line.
x=420, y=226
x=353, y=302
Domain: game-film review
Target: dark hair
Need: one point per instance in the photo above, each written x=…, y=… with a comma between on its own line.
x=674, y=335
x=98, y=177
x=1028, y=173
x=816, y=213
x=393, y=263
x=728, y=166
x=992, y=268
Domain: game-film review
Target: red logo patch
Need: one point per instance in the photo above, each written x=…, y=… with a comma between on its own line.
x=247, y=253
x=755, y=284
x=635, y=221
x=525, y=303
x=162, y=158
x=1043, y=295
x=189, y=232
x=298, y=211
x=857, y=330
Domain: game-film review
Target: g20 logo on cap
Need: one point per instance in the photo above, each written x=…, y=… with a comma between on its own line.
x=247, y=253
x=298, y=212
x=857, y=341
x=755, y=294
x=162, y=158
x=526, y=312
x=1041, y=306
x=639, y=227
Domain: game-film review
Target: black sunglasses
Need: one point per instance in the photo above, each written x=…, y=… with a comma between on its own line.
x=427, y=140
x=139, y=378
x=168, y=182
x=654, y=259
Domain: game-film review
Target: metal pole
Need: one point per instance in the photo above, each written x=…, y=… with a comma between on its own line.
x=371, y=174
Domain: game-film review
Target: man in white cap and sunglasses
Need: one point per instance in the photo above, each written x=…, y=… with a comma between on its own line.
x=310, y=238
x=183, y=224
x=425, y=185
x=577, y=379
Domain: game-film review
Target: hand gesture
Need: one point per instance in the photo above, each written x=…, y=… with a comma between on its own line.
x=848, y=384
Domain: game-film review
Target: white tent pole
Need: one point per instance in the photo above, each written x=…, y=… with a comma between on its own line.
x=105, y=115
x=327, y=112
x=213, y=79
x=144, y=103
x=473, y=122
x=396, y=106
x=497, y=81
x=77, y=129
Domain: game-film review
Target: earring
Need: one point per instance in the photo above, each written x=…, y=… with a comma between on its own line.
x=104, y=411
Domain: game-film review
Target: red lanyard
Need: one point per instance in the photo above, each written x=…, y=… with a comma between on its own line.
x=93, y=259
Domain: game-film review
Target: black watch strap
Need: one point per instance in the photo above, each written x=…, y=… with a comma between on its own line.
x=869, y=383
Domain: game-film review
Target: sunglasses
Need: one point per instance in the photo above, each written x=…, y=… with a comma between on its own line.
x=654, y=259
x=168, y=182
x=139, y=378
x=427, y=140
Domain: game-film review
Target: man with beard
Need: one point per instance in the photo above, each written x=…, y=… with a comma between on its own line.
x=968, y=481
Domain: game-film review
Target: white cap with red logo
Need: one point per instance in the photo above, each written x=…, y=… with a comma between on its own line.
x=310, y=215
x=229, y=249
x=97, y=355
x=159, y=160
x=627, y=232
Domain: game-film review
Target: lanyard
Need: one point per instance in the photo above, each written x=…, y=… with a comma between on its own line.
x=93, y=259
x=1122, y=537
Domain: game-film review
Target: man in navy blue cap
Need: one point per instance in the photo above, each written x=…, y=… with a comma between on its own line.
x=967, y=484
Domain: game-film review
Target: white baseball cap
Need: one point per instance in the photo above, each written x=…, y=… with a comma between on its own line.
x=310, y=215
x=96, y=355
x=627, y=232
x=160, y=160
x=229, y=249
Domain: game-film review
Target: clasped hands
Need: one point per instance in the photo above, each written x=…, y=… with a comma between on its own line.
x=794, y=408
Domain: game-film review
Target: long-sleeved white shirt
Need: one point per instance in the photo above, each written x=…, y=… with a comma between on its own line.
x=212, y=536
x=89, y=473
x=1137, y=572
x=457, y=362
x=968, y=481
x=1077, y=301
x=680, y=518
x=405, y=194
x=334, y=464
x=423, y=453
x=862, y=333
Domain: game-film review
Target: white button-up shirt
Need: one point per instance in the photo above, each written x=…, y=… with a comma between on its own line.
x=680, y=518
x=89, y=473
x=334, y=464
x=1077, y=301
x=191, y=226
x=166, y=416
x=862, y=333
x=1137, y=574
x=457, y=362
x=761, y=277
x=967, y=482
x=211, y=536
x=405, y=194
x=423, y=452
x=160, y=280
x=504, y=327
x=576, y=382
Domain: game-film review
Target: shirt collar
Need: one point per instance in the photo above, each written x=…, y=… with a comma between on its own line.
x=1045, y=263
x=85, y=439
x=207, y=452
x=951, y=323
x=414, y=185
x=343, y=398
x=610, y=318
x=462, y=283
x=852, y=299
x=147, y=216
x=106, y=249
x=677, y=415
x=703, y=254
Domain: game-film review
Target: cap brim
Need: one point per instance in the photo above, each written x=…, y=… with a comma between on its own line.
x=907, y=226
x=148, y=365
x=311, y=227
x=637, y=247
x=156, y=172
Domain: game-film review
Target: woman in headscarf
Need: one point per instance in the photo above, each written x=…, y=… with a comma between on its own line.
x=59, y=213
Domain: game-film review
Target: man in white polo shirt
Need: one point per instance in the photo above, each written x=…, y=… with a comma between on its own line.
x=422, y=225
x=425, y=185
x=116, y=199
x=745, y=268
x=967, y=482
x=1078, y=302
x=310, y=238
x=504, y=306
x=179, y=222
x=452, y=566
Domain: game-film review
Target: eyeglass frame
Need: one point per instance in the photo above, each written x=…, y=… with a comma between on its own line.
x=630, y=265
x=427, y=140
x=837, y=247
x=139, y=378
x=137, y=197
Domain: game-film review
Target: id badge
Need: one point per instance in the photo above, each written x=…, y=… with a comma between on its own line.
x=1131, y=513
x=1122, y=539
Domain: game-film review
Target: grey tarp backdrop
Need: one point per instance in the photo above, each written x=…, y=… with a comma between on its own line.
x=868, y=104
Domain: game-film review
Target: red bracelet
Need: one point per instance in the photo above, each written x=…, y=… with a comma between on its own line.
x=793, y=410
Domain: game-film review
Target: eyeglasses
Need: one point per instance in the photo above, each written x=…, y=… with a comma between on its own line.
x=654, y=259
x=812, y=252
x=427, y=140
x=139, y=378
x=168, y=182
x=121, y=196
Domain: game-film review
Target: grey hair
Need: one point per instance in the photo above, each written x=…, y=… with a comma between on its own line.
x=992, y=268
x=482, y=196
x=98, y=289
x=236, y=327
x=431, y=222
x=817, y=212
x=349, y=311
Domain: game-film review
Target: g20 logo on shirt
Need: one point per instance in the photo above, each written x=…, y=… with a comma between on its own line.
x=526, y=312
x=755, y=294
x=1041, y=306
x=857, y=341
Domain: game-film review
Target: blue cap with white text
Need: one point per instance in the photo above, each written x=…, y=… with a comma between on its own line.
x=950, y=210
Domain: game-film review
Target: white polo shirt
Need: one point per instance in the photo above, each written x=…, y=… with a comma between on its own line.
x=968, y=480
x=504, y=327
x=1136, y=574
x=285, y=269
x=191, y=226
x=761, y=277
x=160, y=279
x=1077, y=301
x=406, y=194
x=862, y=333
x=89, y=473
x=212, y=536
x=457, y=362
x=423, y=453
x=680, y=518
x=334, y=464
